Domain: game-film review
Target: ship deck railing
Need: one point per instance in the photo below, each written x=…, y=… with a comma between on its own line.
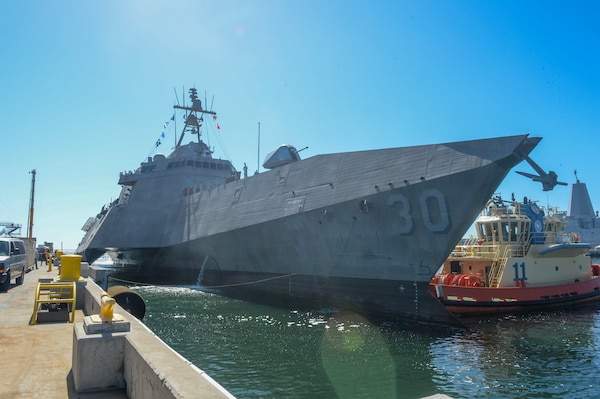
x=489, y=250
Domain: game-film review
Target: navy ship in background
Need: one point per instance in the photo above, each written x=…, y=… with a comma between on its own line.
x=362, y=230
x=581, y=219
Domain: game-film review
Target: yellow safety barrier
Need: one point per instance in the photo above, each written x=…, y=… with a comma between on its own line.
x=48, y=293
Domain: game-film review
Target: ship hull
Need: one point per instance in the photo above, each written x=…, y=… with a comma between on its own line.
x=365, y=230
x=464, y=301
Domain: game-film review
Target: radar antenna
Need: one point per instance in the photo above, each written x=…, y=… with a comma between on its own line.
x=193, y=121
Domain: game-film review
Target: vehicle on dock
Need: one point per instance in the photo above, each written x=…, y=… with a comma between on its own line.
x=13, y=262
x=520, y=260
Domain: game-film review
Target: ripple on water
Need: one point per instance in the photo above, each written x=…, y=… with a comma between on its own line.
x=258, y=351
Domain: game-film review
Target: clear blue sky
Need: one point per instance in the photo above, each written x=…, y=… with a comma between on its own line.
x=87, y=86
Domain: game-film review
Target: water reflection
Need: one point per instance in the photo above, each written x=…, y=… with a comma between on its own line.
x=535, y=356
x=258, y=351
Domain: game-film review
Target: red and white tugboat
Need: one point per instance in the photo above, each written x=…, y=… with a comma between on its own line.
x=520, y=260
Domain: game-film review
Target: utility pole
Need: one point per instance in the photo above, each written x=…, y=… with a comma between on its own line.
x=30, y=221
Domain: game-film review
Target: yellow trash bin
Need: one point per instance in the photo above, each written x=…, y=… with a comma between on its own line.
x=70, y=268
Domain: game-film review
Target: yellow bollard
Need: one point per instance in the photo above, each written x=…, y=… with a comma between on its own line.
x=106, y=320
x=49, y=262
x=58, y=254
x=70, y=268
x=128, y=299
x=106, y=308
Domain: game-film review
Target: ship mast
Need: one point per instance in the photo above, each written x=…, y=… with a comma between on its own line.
x=193, y=122
x=30, y=221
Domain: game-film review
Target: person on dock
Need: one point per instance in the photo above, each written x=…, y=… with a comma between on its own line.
x=41, y=257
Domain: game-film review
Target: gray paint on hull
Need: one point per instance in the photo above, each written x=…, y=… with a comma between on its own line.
x=382, y=215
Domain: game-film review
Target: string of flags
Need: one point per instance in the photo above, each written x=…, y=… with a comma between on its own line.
x=216, y=124
x=165, y=126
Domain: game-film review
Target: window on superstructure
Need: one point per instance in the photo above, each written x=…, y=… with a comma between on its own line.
x=485, y=231
x=490, y=231
x=526, y=231
x=213, y=165
x=496, y=231
x=205, y=165
x=514, y=231
x=504, y=231
x=190, y=163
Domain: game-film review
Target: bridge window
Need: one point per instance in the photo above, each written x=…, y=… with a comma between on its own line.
x=148, y=168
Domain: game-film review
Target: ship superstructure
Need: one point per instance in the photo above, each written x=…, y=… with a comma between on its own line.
x=582, y=219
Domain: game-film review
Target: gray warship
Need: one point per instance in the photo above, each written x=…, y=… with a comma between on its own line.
x=581, y=218
x=362, y=230
x=581, y=221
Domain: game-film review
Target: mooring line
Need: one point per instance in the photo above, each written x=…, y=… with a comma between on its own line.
x=212, y=286
x=250, y=282
x=128, y=281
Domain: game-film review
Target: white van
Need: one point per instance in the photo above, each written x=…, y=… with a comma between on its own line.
x=13, y=262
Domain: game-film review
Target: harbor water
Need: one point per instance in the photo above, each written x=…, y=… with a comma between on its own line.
x=259, y=351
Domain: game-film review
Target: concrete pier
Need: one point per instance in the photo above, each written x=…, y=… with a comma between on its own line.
x=37, y=360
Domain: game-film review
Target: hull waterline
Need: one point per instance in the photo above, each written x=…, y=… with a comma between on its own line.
x=468, y=301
